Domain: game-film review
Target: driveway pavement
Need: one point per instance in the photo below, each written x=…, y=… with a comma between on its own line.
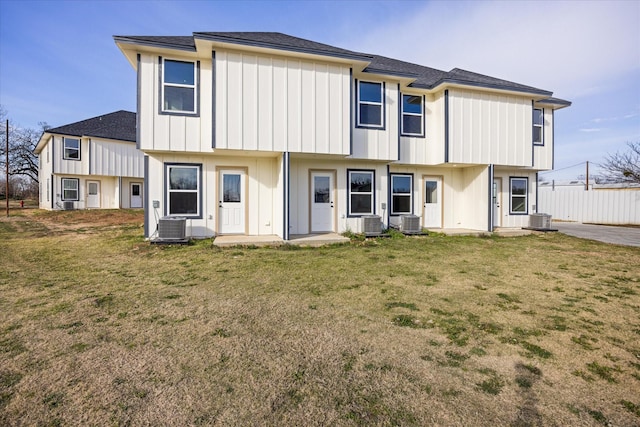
x=628, y=236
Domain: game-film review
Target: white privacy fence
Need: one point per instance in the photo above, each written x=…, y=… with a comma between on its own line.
x=598, y=205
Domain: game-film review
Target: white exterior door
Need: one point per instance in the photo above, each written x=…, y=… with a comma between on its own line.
x=136, y=195
x=496, y=197
x=322, y=202
x=93, y=194
x=231, y=202
x=432, y=217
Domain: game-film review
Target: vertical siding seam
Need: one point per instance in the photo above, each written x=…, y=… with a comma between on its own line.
x=446, y=126
x=213, y=99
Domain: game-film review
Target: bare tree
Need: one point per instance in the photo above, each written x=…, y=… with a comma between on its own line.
x=22, y=141
x=624, y=166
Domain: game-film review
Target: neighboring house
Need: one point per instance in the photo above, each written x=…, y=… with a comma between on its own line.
x=269, y=134
x=91, y=164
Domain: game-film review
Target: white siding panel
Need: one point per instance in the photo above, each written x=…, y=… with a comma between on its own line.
x=249, y=102
x=266, y=104
x=280, y=113
x=294, y=107
x=308, y=108
x=177, y=133
x=485, y=128
x=148, y=100
x=234, y=101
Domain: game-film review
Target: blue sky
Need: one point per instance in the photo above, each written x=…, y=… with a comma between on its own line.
x=59, y=64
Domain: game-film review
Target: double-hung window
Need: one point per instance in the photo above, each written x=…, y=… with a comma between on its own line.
x=518, y=194
x=361, y=189
x=370, y=104
x=179, y=86
x=70, y=189
x=538, y=126
x=71, y=149
x=183, y=187
x=412, y=115
x=401, y=194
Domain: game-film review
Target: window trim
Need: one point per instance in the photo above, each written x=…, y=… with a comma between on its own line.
x=372, y=193
x=64, y=149
x=196, y=86
x=410, y=194
x=168, y=191
x=380, y=126
x=540, y=125
x=421, y=115
x=525, y=196
x=77, y=190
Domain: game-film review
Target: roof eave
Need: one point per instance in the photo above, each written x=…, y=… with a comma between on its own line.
x=446, y=82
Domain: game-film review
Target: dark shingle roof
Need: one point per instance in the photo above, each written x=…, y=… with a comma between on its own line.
x=280, y=41
x=120, y=125
x=467, y=77
x=425, y=77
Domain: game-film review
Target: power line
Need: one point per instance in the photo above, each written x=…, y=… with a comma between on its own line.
x=568, y=167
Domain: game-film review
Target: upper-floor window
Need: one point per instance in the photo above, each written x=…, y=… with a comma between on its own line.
x=401, y=194
x=70, y=189
x=370, y=104
x=412, y=115
x=183, y=189
x=518, y=194
x=71, y=149
x=179, y=86
x=361, y=188
x=538, y=125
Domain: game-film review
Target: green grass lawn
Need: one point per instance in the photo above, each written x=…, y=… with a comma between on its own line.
x=98, y=327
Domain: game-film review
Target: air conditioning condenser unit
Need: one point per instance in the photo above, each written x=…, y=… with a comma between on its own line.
x=68, y=206
x=410, y=224
x=172, y=228
x=371, y=225
x=540, y=221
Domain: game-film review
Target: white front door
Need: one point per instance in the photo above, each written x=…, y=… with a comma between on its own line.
x=432, y=217
x=231, y=202
x=322, y=202
x=136, y=195
x=93, y=194
x=496, y=197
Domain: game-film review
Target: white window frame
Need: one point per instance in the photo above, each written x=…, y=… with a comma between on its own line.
x=381, y=104
x=64, y=190
x=525, y=197
x=406, y=113
x=371, y=193
x=538, y=125
x=64, y=148
x=197, y=191
x=194, y=86
x=409, y=194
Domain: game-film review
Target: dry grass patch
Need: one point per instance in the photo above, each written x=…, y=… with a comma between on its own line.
x=99, y=327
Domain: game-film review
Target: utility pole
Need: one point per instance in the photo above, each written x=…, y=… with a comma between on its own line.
x=6, y=184
x=587, y=189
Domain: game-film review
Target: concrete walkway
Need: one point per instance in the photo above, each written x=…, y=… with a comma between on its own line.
x=300, y=240
x=618, y=235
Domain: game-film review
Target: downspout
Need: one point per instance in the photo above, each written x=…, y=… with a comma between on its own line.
x=389, y=201
x=286, y=193
x=490, y=213
x=446, y=126
x=145, y=203
x=536, y=209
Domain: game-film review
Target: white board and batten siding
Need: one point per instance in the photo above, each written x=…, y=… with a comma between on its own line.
x=599, y=205
x=488, y=128
x=430, y=149
x=379, y=144
x=170, y=132
x=263, y=195
x=116, y=159
x=543, y=154
x=70, y=167
x=271, y=103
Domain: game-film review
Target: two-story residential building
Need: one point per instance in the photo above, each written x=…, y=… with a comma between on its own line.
x=91, y=164
x=269, y=134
